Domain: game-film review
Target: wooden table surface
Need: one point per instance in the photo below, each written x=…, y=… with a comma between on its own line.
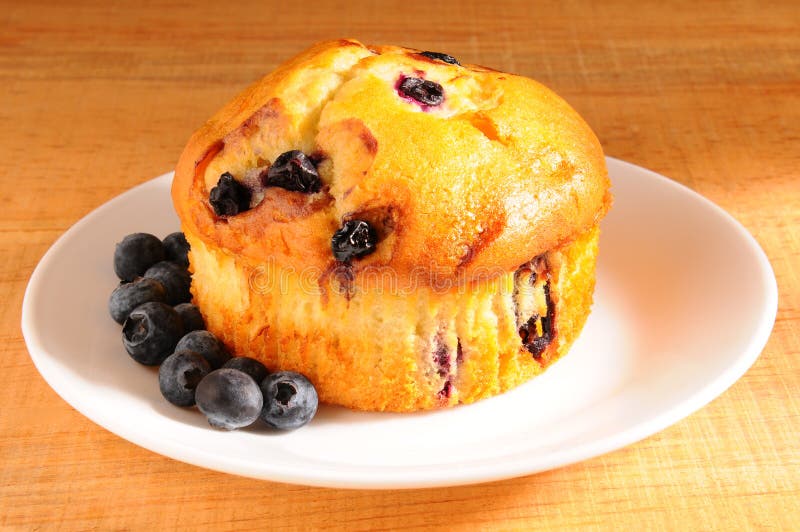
x=100, y=96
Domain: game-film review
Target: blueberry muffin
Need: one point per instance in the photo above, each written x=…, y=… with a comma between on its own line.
x=407, y=231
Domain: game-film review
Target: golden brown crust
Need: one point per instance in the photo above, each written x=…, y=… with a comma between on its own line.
x=501, y=171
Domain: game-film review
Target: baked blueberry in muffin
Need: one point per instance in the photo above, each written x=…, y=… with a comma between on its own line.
x=407, y=231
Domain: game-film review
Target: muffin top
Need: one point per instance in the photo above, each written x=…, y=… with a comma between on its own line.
x=383, y=156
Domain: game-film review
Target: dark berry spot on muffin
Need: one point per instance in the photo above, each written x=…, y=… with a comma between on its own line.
x=459, y=353
x=531, y=340
x=423, y=91
x=293, y=170
x=382, y=218
x=229, y=197
x=441, y=358
x=533, y=305
x=441, y=57
x=356, y=238
x=549, y=321
x=537, y=346
x=446, y=390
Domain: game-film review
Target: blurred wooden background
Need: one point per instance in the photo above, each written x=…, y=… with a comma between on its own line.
x=100, y=96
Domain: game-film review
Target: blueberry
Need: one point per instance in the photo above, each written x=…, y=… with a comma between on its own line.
x=528, y=333
x=180, y=374
x=229, y=197
x=128, y=296
x=151, y=332
x=290, y=400
x=191, y=317
x=356, y=238
x=176, y=248
x=424, y=91
x=442, y=358
x=176, y=280
x=229, y=398
x=207, y=345
x=251, y=366
x=293, y=170
x=441, y=57
x=136, y=253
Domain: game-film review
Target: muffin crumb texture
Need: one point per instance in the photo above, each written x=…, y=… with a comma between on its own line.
x=408, y=231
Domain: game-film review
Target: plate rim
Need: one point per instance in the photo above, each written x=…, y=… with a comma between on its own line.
x=475, y=472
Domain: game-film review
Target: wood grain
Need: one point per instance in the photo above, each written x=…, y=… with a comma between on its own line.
x=98, y=96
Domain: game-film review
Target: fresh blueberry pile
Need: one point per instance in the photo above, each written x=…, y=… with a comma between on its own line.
x=161, y=327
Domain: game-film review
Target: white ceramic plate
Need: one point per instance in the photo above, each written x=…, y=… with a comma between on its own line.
x=685, y=302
